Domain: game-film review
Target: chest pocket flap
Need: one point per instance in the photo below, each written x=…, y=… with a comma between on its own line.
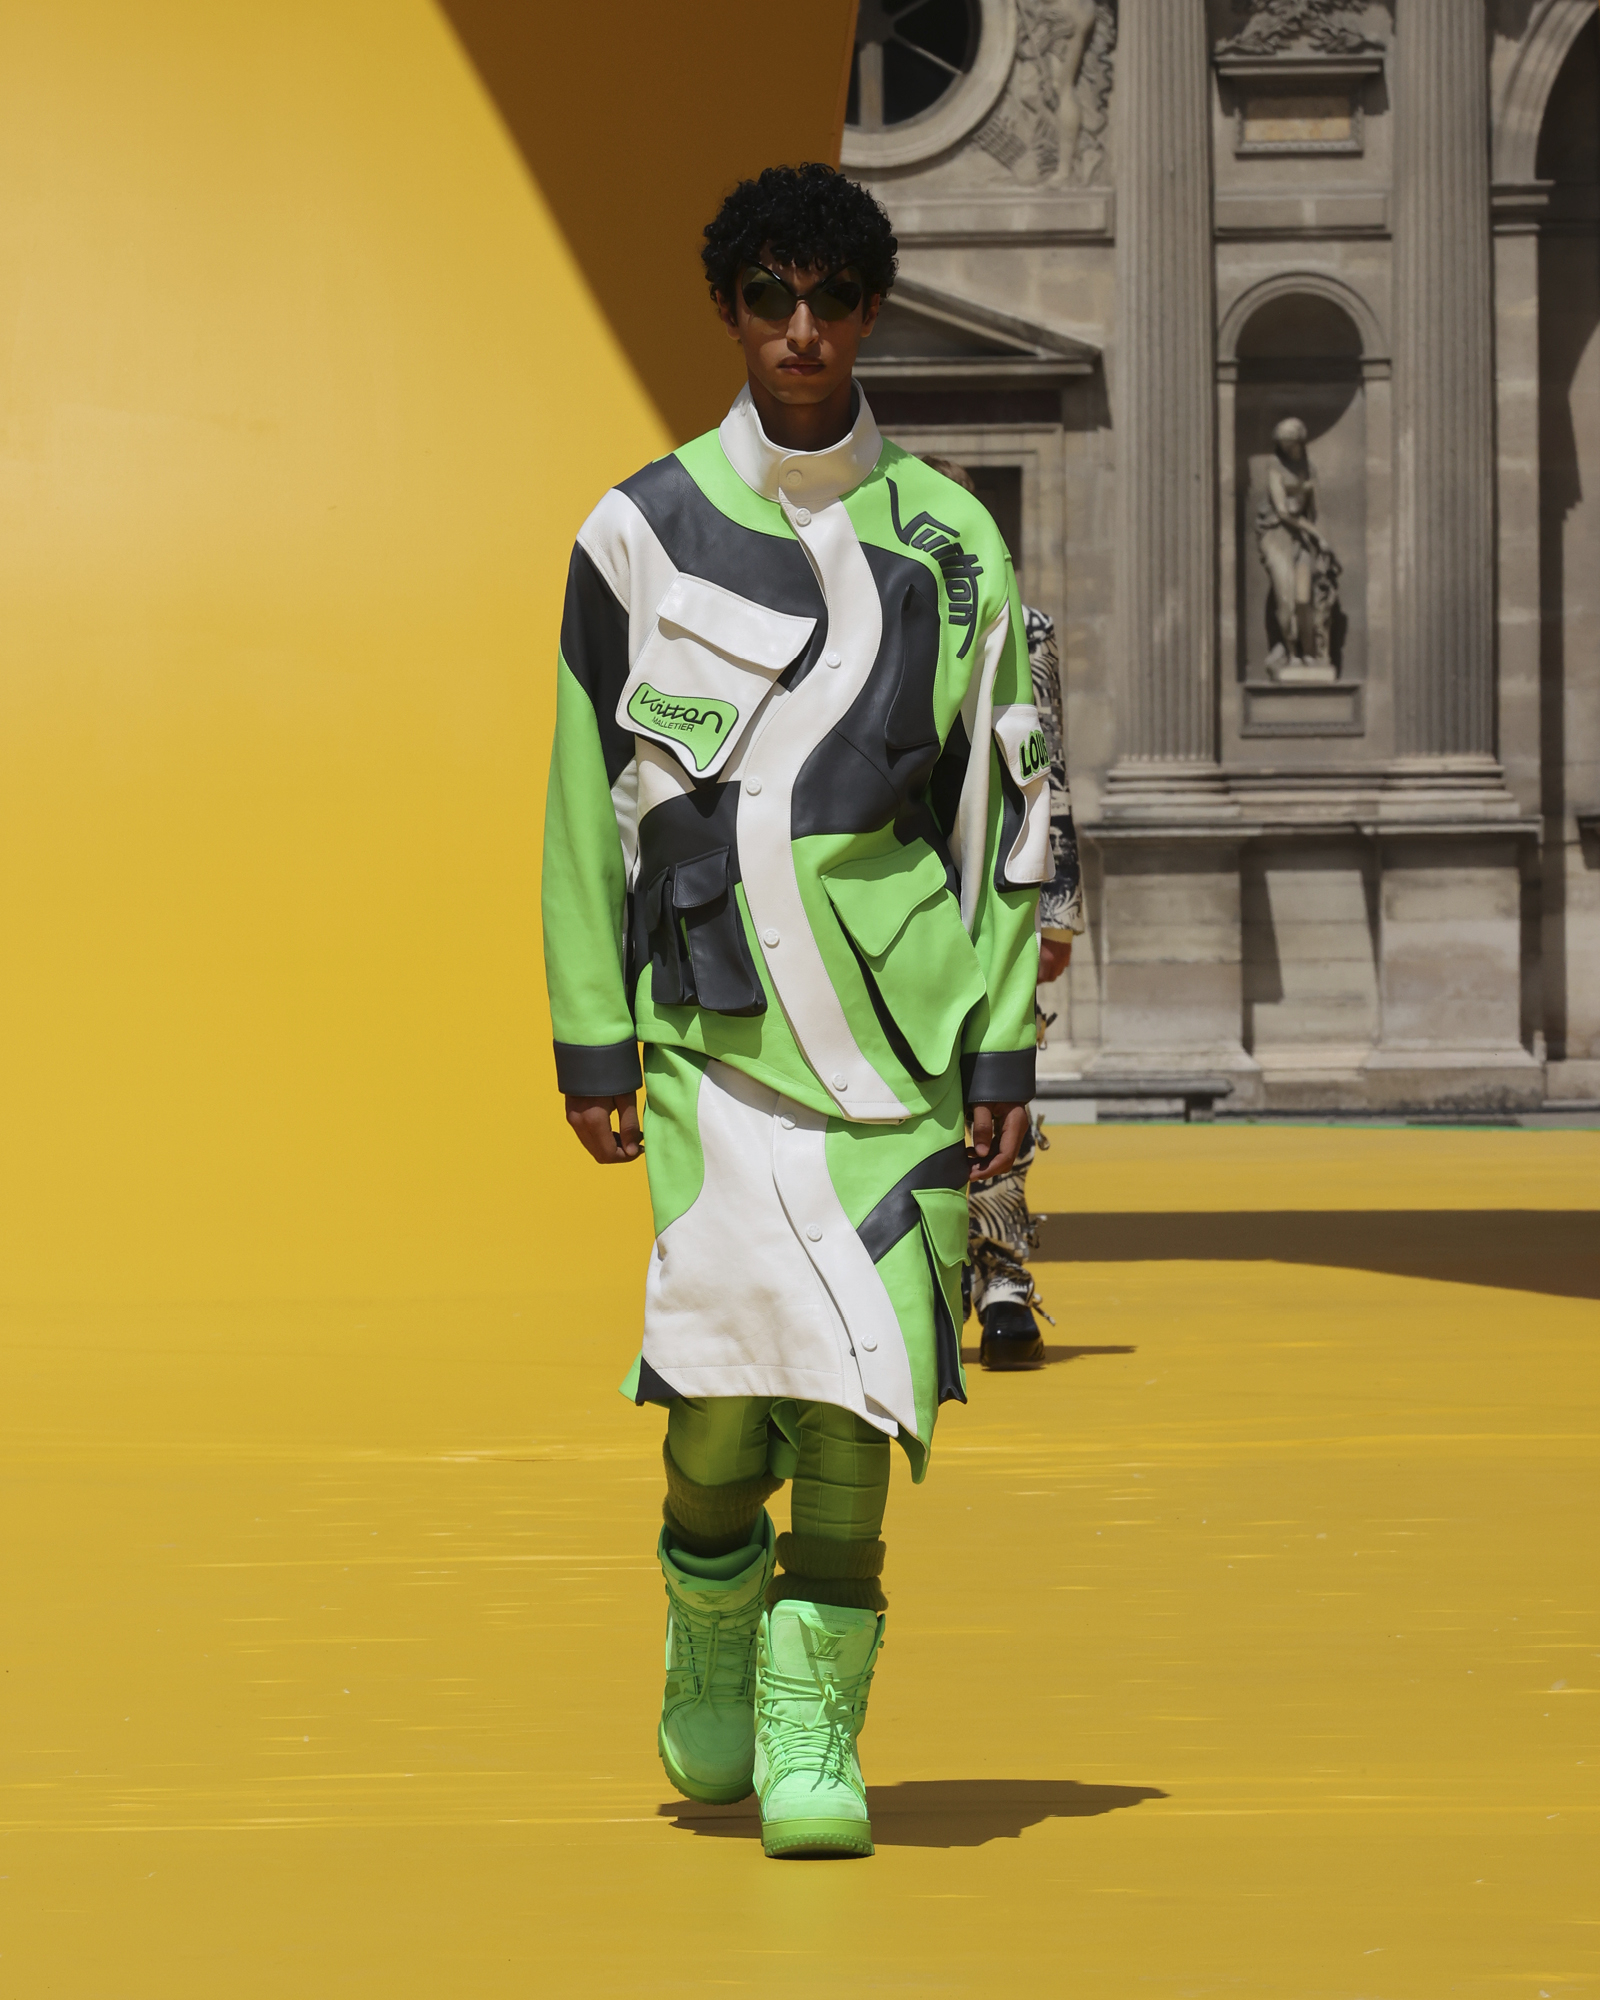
x=705, y=669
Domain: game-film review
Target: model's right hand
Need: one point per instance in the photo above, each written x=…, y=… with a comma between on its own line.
x=590, y=1118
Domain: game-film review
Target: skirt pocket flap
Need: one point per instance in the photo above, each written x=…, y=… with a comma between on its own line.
x=944, y=1217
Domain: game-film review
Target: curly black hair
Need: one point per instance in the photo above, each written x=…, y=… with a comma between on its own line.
x=810, y=216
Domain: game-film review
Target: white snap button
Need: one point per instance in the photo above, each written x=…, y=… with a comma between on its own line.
x=769, y=937
x=870, y=1345
x=753, y=787
x=786, y=1122
x=813, y=1230
x=802, y=517
x=833, y=658
x=840, y=1080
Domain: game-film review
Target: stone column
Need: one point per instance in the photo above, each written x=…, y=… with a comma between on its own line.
x=1165, y=391
x=1169, y=920
x=1444, y=385
x=1452, y=845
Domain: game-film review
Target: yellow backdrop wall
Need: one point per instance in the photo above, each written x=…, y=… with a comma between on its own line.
x=303, y=392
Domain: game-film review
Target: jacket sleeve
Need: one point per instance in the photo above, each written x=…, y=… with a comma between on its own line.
x=588, y=829
x=999, y=1042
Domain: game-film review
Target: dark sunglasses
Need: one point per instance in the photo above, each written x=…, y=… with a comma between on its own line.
x=768, y=297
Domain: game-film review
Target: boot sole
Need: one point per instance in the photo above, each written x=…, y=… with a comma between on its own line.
x=702, y=1794
x=1000, y=1361
x=816, y=1839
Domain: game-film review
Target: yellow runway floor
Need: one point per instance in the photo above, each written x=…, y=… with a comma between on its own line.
x=1252, y=1647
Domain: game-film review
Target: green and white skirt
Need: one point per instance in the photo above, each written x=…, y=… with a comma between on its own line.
x=798, y=1255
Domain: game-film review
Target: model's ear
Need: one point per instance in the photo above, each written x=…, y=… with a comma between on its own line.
x=869, y=315
x=727, y=313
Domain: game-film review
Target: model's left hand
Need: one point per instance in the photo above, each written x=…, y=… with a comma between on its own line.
x=590, y=1119
x=1055, y=955
x=989, y=1155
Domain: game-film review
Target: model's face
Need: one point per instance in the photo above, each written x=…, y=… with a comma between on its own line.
x=799, y=357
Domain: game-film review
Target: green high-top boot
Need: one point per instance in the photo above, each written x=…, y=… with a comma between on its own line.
x=707, y=1734
x=814, y=1667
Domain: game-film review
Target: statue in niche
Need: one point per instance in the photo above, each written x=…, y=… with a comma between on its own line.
x=1051, y=123
x=1277, y=27
x=1300, y=563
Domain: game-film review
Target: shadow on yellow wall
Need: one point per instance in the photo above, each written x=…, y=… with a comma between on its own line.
x=635, y=121
x=303, y=392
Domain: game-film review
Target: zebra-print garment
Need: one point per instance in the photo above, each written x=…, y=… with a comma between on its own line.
x=1061, y=900
x=1001, y=1232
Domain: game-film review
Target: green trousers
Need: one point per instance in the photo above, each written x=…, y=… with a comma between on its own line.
x=720, y=1456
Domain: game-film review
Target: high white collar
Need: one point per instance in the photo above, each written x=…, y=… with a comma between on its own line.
x=810, y=477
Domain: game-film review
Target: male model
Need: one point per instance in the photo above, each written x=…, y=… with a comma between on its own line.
x=798, y=817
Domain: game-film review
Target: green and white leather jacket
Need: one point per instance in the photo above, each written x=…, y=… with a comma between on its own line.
x=799, y=799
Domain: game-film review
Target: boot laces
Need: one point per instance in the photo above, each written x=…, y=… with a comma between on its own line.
x=811, y=1725
x=701, y=1637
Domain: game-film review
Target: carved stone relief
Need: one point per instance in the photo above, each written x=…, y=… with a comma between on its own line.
x=1284, y=27
x=1050, y=126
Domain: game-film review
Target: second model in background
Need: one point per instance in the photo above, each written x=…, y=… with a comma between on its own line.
x=1000, y=1228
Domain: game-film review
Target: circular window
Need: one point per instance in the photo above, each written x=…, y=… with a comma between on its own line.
x=924, y=73
x=909, y=54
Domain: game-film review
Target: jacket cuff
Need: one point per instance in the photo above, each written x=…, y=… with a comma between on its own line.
x=610, y=1071
x=998, y=1076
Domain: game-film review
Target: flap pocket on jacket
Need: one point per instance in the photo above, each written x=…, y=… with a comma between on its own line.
x=1024, y=856
x=1022, y=743
x=944, y=1217
x=705, y=669
x=701, y=881
x=875, y=897
x=912, y=948
x=694, y=939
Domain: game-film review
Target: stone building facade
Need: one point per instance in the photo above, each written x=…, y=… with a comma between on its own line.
x=1271, y=331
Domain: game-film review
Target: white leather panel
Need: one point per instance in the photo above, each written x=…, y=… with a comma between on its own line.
x=625, y=804
x=733, y=1305
x=771, y=765
x=761, y=1287
x=800, y=1168
x=624, y=548
x=972, y=810
x=661, y=776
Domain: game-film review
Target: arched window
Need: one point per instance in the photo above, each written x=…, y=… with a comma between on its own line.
x=909, y=54
x=925, y=73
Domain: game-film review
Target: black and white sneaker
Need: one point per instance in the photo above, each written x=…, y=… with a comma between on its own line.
x=1011, y=1336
